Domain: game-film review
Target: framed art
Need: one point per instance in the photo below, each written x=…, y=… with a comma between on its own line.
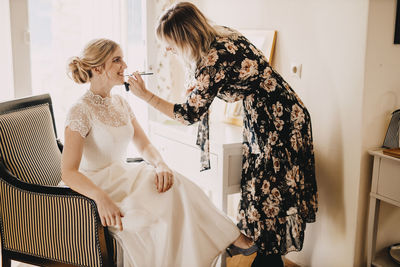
x=264, y=40
x=397, y=24
x=233, y=113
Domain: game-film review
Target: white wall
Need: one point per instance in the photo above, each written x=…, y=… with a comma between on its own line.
x=381, y=98
x=6, y=66
x=329, y=39
x=20, y=47
x=350, y=83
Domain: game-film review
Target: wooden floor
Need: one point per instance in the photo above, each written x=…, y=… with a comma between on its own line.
x=235, y=261
x=245, y=261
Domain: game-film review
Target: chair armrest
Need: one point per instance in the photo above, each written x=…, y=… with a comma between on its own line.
x=60, y=144
x=50, y=222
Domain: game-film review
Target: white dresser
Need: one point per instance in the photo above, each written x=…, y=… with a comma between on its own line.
x=385, y=187
x=177, y=144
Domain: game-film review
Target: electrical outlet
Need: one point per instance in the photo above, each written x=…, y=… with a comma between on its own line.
x=295, y=70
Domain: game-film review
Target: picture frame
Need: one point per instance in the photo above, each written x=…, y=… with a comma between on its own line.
x=264, y=40
x=234, y=113
x=397, y=24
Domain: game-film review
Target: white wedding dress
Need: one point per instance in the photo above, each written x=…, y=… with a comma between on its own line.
x=180, y=227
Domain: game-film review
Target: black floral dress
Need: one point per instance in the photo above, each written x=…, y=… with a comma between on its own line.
x=278, y=186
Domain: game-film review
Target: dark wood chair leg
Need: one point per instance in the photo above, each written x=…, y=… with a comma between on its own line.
x=5, y=262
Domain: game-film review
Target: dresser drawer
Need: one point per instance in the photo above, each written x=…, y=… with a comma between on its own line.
x=234, y=169
x=389, y=179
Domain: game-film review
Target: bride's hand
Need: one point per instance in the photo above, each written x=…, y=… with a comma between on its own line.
x=138, y=87
x=110, y=214
x=164, y=178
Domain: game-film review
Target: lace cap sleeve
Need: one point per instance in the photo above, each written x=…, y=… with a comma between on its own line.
x=78, y=119
x=126, y=107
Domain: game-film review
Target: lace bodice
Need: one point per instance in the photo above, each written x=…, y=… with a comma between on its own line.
x=105, y=123
x=113, y=111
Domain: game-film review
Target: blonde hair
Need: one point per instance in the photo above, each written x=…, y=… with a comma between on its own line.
x=95, y=54
x=185, y=25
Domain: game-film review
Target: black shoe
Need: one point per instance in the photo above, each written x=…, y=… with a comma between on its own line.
x=233, y=250
x=273, y=260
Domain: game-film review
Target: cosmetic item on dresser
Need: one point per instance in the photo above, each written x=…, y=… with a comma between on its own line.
x=392, y=134
x=393, y=152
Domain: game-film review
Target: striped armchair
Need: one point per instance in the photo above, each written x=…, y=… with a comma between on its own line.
x=40, y=223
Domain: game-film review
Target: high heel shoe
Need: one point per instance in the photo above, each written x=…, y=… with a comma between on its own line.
x=233, y=250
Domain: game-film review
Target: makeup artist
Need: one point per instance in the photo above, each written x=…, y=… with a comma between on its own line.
x=278, y=186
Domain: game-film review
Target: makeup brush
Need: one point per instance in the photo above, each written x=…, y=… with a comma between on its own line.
x=141, y=73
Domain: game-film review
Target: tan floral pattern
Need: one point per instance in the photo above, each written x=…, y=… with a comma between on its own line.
x=279, y=191
x=219, y=76
x=196, y=101
x=249, y=68
x=269, y=84
x=254, y=216
x=277, y=109
x=231, y=47
x=256, y=51
x=211, y=58
x=203, y=81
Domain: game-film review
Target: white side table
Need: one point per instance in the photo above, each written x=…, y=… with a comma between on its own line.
x=385, y=187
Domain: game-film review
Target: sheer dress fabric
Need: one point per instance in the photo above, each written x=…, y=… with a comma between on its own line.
x=180, y=227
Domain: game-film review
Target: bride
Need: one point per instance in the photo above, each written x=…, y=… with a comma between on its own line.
x=161, y=218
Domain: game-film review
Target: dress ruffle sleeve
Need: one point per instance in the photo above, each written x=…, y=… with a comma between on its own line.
x=209, y=80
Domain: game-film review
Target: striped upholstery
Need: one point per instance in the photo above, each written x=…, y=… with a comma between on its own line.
x=61, y=228
x=117, y=251
x=28, y=145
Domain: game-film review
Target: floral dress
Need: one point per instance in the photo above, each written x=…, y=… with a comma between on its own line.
x=278, y=186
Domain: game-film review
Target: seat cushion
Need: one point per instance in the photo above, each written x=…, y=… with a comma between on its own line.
x=28, y=145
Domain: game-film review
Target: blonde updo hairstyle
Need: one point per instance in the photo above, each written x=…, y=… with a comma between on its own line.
x=95, y=54
x=185, y=26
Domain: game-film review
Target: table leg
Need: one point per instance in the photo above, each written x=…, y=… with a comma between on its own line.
x=373, y=218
